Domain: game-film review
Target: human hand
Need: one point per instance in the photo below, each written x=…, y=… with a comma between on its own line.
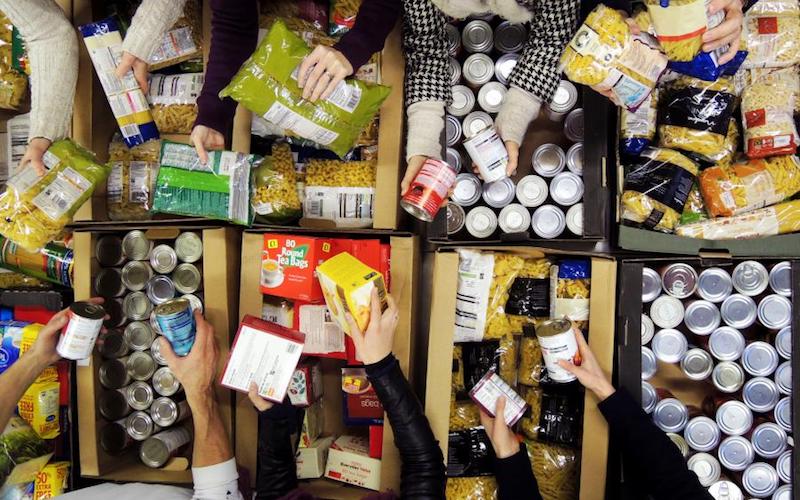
x=321, y=71
x=43, y=351
x=34, y=154
x=131, y=62
x=260, y=403
x=414, y=165
x=375, y=343
x=504, y=441
x=728, y=32
x=197, y=370
x=589, y=372
x=205, y=138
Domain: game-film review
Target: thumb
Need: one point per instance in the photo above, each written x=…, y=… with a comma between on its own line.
x=201, y=150
x=500, y=411
x=355, y=331
x=260, y=403
x=578, y=371
x=54, y=326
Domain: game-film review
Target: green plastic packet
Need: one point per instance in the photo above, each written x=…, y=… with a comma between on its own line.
x=267, y=85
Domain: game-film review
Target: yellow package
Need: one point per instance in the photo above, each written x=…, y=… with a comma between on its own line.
x=39, y=407
x=679, y=26
x=471, y=488
x=529, y=424
x=556, y=469
x=506, y=269
x=29, y=335
x=782, y=218
x=347, y=285
x=51, y=481
x=768, y=106
x=464, y=415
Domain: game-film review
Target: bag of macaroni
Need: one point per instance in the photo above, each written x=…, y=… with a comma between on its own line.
x=347, y=285
x=288, y=265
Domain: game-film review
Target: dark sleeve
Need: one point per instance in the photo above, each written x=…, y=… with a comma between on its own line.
x=515, y=480
x=234, y=33
x=277, y=472
x=374, y=22
x=653, y=456
x=588, y=5
x=422, y=474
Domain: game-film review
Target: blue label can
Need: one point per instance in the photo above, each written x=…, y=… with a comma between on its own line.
x=176, y=322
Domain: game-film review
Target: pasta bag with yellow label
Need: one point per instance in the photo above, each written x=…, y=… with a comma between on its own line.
x=680, y=24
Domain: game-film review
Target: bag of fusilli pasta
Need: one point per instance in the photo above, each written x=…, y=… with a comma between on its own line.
x=275, y=199
x=638, y=128
x=173, y=101
x=341, y=192
x=13, y=83
x=771, y=34
x=768, y=106
x=557, y=470
x=464, y=415
x=471, y=488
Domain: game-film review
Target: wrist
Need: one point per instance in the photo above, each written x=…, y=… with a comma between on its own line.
x=200, y=398
x=604, y=390
x=508, y=452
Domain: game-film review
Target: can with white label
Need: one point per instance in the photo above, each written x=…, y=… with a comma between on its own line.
x=139, y=336
x=478, y=69
x=564, y=99
x=575, y=219
x=77, y=339
x=489, y=154
x=137, y=306
x=503, y=67
x=165, y=382
x=477, y=36
x=454, y=71
x=736, y=453
x=428, y=191
x=136, y=246
x=558, y=342
x=475, y=123
x=499, y=193
x=176, y=322
x=467, y=190
x=573, y=125
x=189, y=247
x=575, y=158
x=514, y=218
x=481, y=222
x=651, y=284
x=453, y=39
x=566, y=189
x=463, y=101
x=532, y=191
x=548, y=221
x=775, y=311
x=750, y=278
x=156, y=451
x=780, y=278
x=453, y=132
x=548, y=160
x=509, y=37
x=187, y=278
x=456, y=218
x=714, y=284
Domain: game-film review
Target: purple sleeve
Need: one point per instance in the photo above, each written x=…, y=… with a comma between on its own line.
x=234, y=33
x=374, y=22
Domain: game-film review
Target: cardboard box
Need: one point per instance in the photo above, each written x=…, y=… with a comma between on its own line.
x=220, y=267
x=289, y=264
x=324, y=338
x=312, y=459
x=313, y=424
x=305, y=387
x=361, y=403
x=594, y=452
x=349, y=462
x=347, y=285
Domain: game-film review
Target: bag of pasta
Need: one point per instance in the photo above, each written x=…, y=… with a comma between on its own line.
x=477, y=358
x=173, y=101
x=570, y=286
x=506, y=269
x=656, y=188
x=343, y=16
x=34, y=210
x=556, y=469
x=464, y=415
x=782, y=218
x=469, y=453
x=638, y=128
x=471, y=488
x=529, y=424
x=695, y=208
x=726, y=155
x=267, y=85
x=531, y=362
x=768, y=106
x=771, y=34
x=508, y=351
x=529, y=294
x=749, y=185
x=341, y=192
x=130, y=183
x=275, y=199
x=13, y=83
x=183, y=41
x=680, y=24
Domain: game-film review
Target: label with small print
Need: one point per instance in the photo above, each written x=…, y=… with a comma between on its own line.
x=62, y=193
x=78, y=338
x=323, y=335
x=139, y=181
x=756, y=224
x=301, y=126
x=472, y=295
x=174, y=44
x=489, y=389
x=560, y=347
x=175, y=89
x=114, y=184
x=489, y=153
x=345, y=96
x=430, y=187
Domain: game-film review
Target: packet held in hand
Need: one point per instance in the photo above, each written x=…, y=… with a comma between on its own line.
x=347, y=285
x=489, y=389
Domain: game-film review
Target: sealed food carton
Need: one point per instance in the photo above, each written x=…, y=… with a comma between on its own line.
x=312, y=459
x=39, y=407
x=489, y=389
x=313, y=424
x=361, y=403
x=288, y=265
x=305, y=388
x=264, y=353
x=324, y=337
x=347, y=285
x=51, y=481
x=349, y=462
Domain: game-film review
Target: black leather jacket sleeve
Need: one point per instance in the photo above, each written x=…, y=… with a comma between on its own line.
x=423, y=470
x=277, y=431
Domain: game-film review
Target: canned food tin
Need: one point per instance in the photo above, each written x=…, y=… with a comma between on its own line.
x=499, y=193
x=177, y=324
x=510, y=37
x=139, y=395
x=77, y=339
x=651, y=284
x=491, y=96
x=456, y=218
x=454, y=71
x=702, y=317
x=454, y=159
x=140, y=365
x=166, y=412
x=113, y=373
x=697, y=364
x=666, y=311
x=155, y=351
x=649, y=397
x=477, y=36
x=165, y=383
x=483, y=16
x=136, y=274
x=564, y=99
x=734, y=418
x=783, y=414
x=453, y=130
x=136, y=246
x=160, y=289
x=573, y=125
x=783, y=493
x=558, y=343
x=463, y=101
x=760, y=359
x=728, y=377
x=750, y=278
x=467, y=190
x=548, y=160
x=514, y=218
x=490, y=156
x=566, y=189
x=156, y=451
x=783, y=466
x=427, y=193
x=575, y=158
x=780, y=278
x=575, y=219
x=706, y=467
x=137, y=306
x=702, y=434
x=548, y=221
x=108, y=283
x=194, y=301
x=736, y=453
x=775, y=312
x=478, y=69
x=760, y=480
x=769, y=440
x=669, y=345
x=679, y=280
x=503, y=67
x=108, y=251
x=481, y=222
x=680, y=443
x=453, y=39
x=783, y=342
x=112, y=345
x=139, y=336
x=140, y=426
x=113, y=405
x=725, y=490
x=154, y=323
x=670, y=415
x=714, y=284
x=188, y=279
x=532, y=191
x=189, y=247
x=648, y=329
x=760, y=394
x=114, y=438
x=726, y=344
x=739, y=311
x=116, y=315
x=783, y=378
x=649, y=363
x=163, y=259
x=475, y=123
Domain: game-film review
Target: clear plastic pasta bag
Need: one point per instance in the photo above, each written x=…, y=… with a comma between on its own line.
x=638, y=128
x=680, y=24
x=173, y=101
x=557, y=470
x=183, y=41
x=782, y=218
x=695, y=208
x=342, y=192
x=570, y=291
x=275, y=199
x=771, y=34
x=13, y=83
x=471, y=488
x=529, y=424
x=477, y=358
x=506, y=269
x=768, y=106
x=464, y=415
x=130, y=183
x=531, y=362
x=469, y=453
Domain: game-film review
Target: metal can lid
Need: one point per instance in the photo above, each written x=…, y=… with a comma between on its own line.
x=734, y=418
x=670, y=415
x=154, y=453
x=669, y=345
x=453, y=130
x=548, y=221
x=165, y=382
x=714, y=284
x=160, y=289
x=760, y=479
x=769, y=440
x=136, y=274
x=678, y=441
x=679, y=280
x=163, y=259
x=697, y=364
x=783, y=378
x=172, y=306
x=478, y=69
x=514, y=218
x=481, y=222
x=189, y=247
x=575, y=158
x=454, y=71
x=760, y=359
x=113, y=373
x=702, y=434
x=137, y=306
x=504, y=66
x=760, y=394
x=139, y=425
x=736, y=453
x=510, y=37
x=775, y=312
x=108, y=251
x=186, y=278
x=453, y=158
x=728, y=377
x=141, y=365
x=666, y=311
x=463, y=101
x=88, y=310
x=706, y=467
x=477, y=36
x=475, y=123
x=573, y=125
x=140, y=395
x=784, y=466
x=491, y=96
x=164, y=411
x=702, y=317
x=566, y=188
x=499, y=193
x=112, y=344
x=783, y=342
x=136, y=245
x=739, y=311
x=467, y=190
x=552, y=327
x=783, y=493
x=139, y=335
x=750, y=278
x=456, y=218
x=783, y=413
x=575, y=219
x=780, y=278
x=726, y=343
x=725, y=490
x=648, y=329
x=651, y=284
x=453, y=39
x=548, y=160
x=532, y=191
x=649, y=363
x=564, y=98
x=649, y=397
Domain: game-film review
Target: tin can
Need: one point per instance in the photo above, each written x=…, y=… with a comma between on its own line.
x=463, y=101
x=478, y=69
x=113, y=405
x=509, y=37
x=194, y=301
x=670, y=415
x=783, y=414
x=702, y=317
x=484, y=16
x=780, y=278
x=514, y=218
x=165, y=383
x=573, y=125
x=454, y=159
x=136, y=274
x=188, y=279
x=77, y=339
x=189, y=247
x=481, y=222
x=139, y=395
x=649, y=363
x=108, y=251
x=137, y=306
x=680, y=443
x=651, y=284
x=679, y=280
x=760, y=394
x=739, y=311
x=548, y=160
x=108, y=283
x=706, y=467
x=760, y=480
x=783, y=466
x=783, y=342
x=113, y=373
x=783, y=492
x=727, y=377
x=648, y=329
x=115, y=313
x=160, y=289
x=697, y=364
x=156, y=451
x=503, y=67
x=783, y=378
x=112, y=345
x=154, y=323
x=702, y=434
x=166, y=412
x=454, y=71
x=575, y=219
x=760, y=359
x=725, y=490
x=750, y=278
x=566, y=189
x=666, y=312
x=140, y=426
x=136, y=246
x=177, y=324
x=453, y=39
x=775, y=312
x=425, y=196
x=114, y=438
x=155, y=351
x=489, y=154
x=453, y=132
x=163, y=259
x=736, y=453
x=456, y=218
x=499, y=193
x=714, y=285
x=649, y=397
x=669, y=345
x=139, y=336
x=558, y=342
x=734, y=418
x=726, y=344
x=564, y=99
x=575, y=158
x=491, y=96
x=475, y=123
x=140, y=365
x=532, y=191
x=477, y=36
x=548, y=221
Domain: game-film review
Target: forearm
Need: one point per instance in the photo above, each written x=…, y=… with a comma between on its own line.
x=515, y=479
x=211, y=443
x=152, y=19
x=374, y=22
x=15, y=381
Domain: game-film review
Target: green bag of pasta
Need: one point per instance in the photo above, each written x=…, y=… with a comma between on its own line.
x=267, y=85
x=275, y=199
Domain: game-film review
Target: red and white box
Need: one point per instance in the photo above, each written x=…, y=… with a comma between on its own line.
x=349, y=462
x=489, y=389
x=306, y=386
x=264, y=353
x=311, y=460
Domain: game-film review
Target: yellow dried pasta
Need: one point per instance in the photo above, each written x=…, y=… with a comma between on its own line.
x=531, y=362
x=556, y=469
x=13, y=84
x=335, y=173
x=471, y=488
x=508, y=349
x=679, y=26
x=130, y=183
x=506, y=268
x=529, y=424
x=782, y=218
x=768, y=106
x=771, y=34
x=464, y=415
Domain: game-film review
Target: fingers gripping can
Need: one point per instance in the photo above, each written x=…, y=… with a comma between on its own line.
x=489, y=153
x=558, y=342
x=78, y=337
x=429, y=189
x=176, y=322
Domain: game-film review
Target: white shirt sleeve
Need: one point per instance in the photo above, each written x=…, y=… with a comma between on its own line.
x=217, y=482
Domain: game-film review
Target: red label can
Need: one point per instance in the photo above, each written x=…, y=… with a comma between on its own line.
x=429, y=189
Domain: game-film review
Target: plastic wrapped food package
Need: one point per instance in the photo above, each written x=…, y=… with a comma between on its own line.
x=342, y=192
x=458, y=370
x=275, y=199
x=749, y=185
x=183, y=41
x=726, y=155
x=680, y=24
x=531, y=363
x=506, y=269
x=571, y=291
x=130, y=183
x=768, y=106
x=782, y=218
x=471, y=488
x=508, y=350
x=695, y=208
x=529, y=295
x=771, y=34
x=529, y=424
x=9, y=279
x=638, y=128
x=13, y=83
x=267, y=85
x=656, y=188
x=343, y=16
x=556, y=469
x=477, y=358
x=464, y=415
x=53, y=263
x=173, y=99
x=22, y=452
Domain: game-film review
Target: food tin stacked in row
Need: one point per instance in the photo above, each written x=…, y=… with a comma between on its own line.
x=147, y=287
x=729, y=330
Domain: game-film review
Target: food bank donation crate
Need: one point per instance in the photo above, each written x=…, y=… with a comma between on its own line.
x=403, y=285
x=219, y=268
x=442, y=375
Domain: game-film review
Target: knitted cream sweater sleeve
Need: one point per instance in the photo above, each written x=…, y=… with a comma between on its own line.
x=152, y=19
x=53, y=55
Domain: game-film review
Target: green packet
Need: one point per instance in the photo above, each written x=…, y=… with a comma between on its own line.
x=267, y=85
x=695, y=209
x=219, y=189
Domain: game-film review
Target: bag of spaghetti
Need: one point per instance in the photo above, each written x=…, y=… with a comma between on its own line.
x=782, y=218
x=768, y=106
x=267, y=85
x=771, y=34
x=695, y=114
x=638, y=128
x=570, y=284
x=749, y=185
x=341, y=192
x=183, y=41
x=173, y=101
x=34, y=210
x=275, y=199
x=556, y=468
x=604, y=54
x=130, y=183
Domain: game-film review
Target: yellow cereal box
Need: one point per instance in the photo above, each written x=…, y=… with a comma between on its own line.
x=51, y=481
x=347, y=284
x=39, y=407
x=29, y=335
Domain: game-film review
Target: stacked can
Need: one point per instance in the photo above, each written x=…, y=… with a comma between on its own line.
x=729, y=329
x=142, y=403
